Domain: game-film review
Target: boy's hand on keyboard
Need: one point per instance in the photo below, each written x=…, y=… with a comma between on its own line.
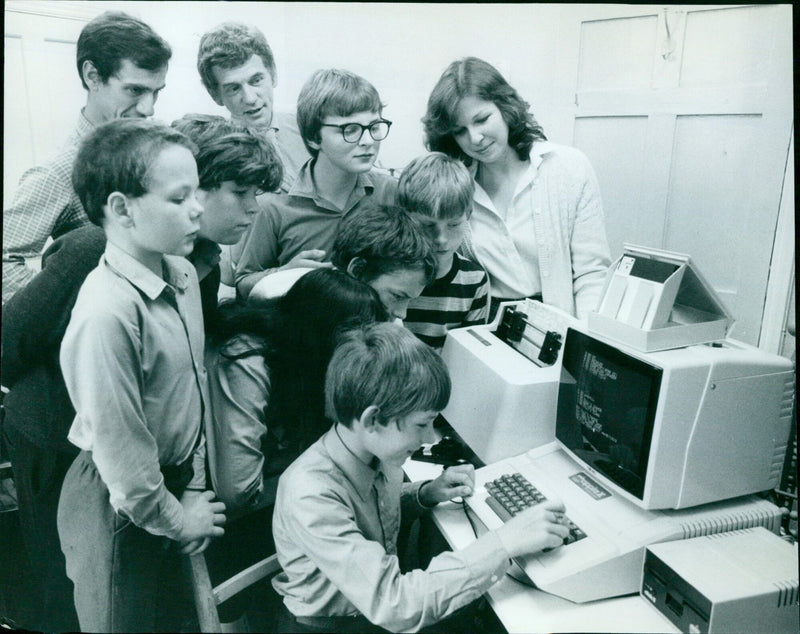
x=534, y=529
x=458, y=481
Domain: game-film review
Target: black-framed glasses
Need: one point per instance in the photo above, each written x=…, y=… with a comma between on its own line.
x=352, y=132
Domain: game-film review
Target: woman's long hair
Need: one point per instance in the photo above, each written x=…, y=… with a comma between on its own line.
x=299, y=332
x=474, y=77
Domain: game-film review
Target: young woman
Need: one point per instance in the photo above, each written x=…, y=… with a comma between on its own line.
x=537, y=225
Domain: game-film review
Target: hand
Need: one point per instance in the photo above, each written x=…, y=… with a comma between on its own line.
x=195, y=547
x=458, y=481
x=534, y=529
x=311, y=258
x=202, y=517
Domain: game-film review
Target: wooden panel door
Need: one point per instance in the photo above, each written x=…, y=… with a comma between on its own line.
x=42, y=93
x=686, y=114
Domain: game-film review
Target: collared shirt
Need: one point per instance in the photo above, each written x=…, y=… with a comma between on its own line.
x=239, y=395
x=132, y=359
x=457, y=300
x=301, y=219
x=552, y=239
x=335, y=526
x=285, y=137
x=45, y=204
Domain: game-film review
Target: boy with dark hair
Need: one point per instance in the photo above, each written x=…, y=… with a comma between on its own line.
x=388, y=249
x=439, y=189
x=339, y=115
x=233, y=166
x=340, y=504
x=122, y=64
x=132, y=360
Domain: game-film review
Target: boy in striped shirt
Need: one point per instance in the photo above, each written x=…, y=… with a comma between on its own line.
x=438, y=190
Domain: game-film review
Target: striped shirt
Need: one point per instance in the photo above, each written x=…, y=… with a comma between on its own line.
x=459, y=299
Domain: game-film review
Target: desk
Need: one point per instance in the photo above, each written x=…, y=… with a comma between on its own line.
x=527, y=610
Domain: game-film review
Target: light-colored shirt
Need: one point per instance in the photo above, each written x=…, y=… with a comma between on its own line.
x=335, y=526
x=302, y=219
x=553, y=238
x=44, y=205
x=132, y=359
x=239, y=395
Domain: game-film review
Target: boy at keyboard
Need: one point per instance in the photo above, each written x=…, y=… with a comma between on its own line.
x=340, y=504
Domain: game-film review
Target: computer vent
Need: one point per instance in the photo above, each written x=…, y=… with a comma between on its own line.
x=788, y=396
x=788, y=594
x=767, y=517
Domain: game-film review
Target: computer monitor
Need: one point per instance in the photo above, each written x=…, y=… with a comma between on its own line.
x=676, y=428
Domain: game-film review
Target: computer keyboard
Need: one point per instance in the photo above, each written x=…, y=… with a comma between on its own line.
x=512, y=493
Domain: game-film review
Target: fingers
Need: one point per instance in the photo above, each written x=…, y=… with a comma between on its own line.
x=195, y=546
x=554, y=505
x=460, y=474
x=310, y=254
x=218, y=519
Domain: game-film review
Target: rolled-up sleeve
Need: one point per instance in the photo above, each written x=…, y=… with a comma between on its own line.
x=324, y=528
x=239, y=393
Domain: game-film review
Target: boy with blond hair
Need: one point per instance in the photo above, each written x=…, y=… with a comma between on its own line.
x=438, y=189
x=338, y=507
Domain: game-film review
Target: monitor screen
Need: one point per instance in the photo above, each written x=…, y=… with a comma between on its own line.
x=606, y=409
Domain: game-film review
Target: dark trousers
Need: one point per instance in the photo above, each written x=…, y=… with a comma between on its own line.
x=126, y=579
x=38, y=476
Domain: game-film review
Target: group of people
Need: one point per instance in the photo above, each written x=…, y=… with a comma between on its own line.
x=145, y=419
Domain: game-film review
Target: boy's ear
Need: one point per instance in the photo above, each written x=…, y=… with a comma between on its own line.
x=313, y=144
x=356, y=267
x=369, y=418
x=118, y=209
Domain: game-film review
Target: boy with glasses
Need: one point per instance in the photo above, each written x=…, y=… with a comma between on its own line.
x=340, y=119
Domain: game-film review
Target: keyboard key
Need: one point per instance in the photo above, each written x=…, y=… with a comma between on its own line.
x=512, y=493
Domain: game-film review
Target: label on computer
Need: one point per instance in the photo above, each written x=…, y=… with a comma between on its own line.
x=590, y=486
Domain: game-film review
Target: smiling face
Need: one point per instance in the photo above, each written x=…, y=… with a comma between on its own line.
x=130, y=92
x=480, y=130
x=394, y=442
x=166, y=219
x=247, y=92
x=398, y=288
x=228, y=211
x=348, y=158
